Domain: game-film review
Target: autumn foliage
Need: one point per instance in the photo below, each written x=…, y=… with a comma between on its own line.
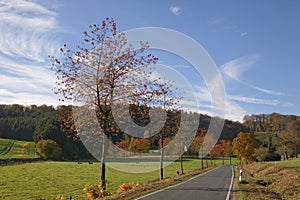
x=244, y=146
x=48, y=149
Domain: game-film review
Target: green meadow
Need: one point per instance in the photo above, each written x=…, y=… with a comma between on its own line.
x=16, y=149
x=47, y=180
x=292, y=163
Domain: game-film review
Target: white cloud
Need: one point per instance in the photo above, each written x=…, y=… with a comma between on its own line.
x=27, y=30
x=26, y=84
x=267, y=91
x=26, y=98
x=288, y=104
x=28, y=34
x=234, y=111
x=176, y=10
x=236, y=68
x=243, y=34
x=252, y=100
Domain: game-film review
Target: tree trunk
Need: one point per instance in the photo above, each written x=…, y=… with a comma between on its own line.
x=202, y=166
x=286, y=156
x=103, y=157
x=223, y=162
x=162, y=159
x=181, y=164
x=206, y=162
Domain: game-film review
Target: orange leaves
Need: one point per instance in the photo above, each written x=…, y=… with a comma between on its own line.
x=244, y=146
x=135, y=145
x=141, y=145
x=166, y=141
x=124, y=144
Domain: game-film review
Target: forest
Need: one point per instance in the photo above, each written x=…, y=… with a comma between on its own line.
x=277, y=135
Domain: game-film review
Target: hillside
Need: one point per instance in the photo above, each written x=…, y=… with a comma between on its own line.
x=16, y=149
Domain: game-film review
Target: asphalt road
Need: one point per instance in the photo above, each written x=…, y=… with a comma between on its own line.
x=214, y=185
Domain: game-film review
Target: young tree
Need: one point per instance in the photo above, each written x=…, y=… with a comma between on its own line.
x=103, y=70
x=219, y=149
x=48, y=149
x=244, y=146
x=228, y=150
x=141, y=145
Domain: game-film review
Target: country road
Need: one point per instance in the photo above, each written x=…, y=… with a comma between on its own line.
x=214, y=184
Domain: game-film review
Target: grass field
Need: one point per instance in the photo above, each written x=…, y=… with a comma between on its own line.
x=46, y=180
x=16, y=149
x=292, y=163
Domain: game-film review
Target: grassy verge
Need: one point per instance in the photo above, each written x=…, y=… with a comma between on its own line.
x=292, y=163
x=267, y=181
x=47, y=180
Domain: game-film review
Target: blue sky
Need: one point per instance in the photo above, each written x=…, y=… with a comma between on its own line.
x=255, y=45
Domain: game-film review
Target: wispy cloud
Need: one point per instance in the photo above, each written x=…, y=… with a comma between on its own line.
x=26, y=84
x=28, y=34
x=243, y=34
x=252, y=100
x=236, y=68
x=27, y=30
x=272, y=92
x=288, y=104
x=234, y=111
x=176, y=10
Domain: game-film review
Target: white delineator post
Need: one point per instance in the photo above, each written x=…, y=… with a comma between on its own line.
x=178, y=175
x=241, y=174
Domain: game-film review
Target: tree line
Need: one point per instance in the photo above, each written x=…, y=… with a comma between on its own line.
x=34, y=123
x=278, y=135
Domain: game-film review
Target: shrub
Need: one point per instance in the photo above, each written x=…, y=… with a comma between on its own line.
x=127, y=186
x=60, y=197
x=48, y=149
x=94, y=191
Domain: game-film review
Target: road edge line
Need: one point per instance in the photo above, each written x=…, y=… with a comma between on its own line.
x=139, y=198
x=231, y=184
